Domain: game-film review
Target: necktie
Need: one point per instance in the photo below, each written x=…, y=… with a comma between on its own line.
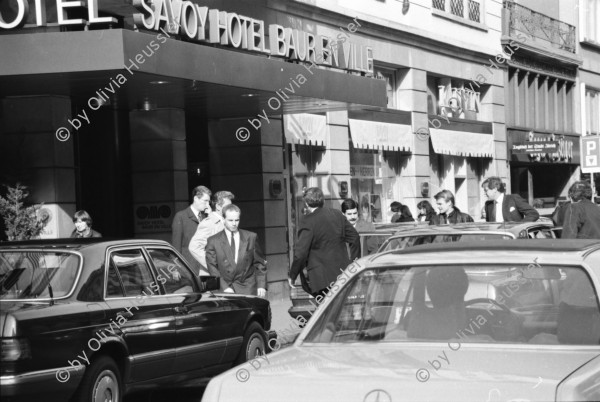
x=233, y=246
x=493, y=212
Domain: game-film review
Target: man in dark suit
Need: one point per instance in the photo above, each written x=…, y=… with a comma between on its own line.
x=582, y=216
x=502, y=207
x=235, y=256
x=186, y=222
x=321, y=246
x=350, y=211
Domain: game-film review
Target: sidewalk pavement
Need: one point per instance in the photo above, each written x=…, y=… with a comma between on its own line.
x=285, y=326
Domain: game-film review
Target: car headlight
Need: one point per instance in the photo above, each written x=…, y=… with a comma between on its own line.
x=14, y=349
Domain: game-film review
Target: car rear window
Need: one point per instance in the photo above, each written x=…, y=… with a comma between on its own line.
x=521, y=304
x=33, y=274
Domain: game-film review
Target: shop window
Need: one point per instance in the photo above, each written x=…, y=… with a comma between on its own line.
x=375, y=182
x=453, y=98
x=389, y=76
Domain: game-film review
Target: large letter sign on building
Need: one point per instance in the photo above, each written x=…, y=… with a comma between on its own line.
x=590, y=161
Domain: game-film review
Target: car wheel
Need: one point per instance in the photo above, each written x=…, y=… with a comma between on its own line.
x=254, y=344
x=101, y=382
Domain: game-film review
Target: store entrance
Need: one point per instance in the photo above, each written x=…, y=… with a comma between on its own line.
x=541, y=185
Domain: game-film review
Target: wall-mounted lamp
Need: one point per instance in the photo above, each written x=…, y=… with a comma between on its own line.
x=425, y=189
x=343, y=189
x=275, y=187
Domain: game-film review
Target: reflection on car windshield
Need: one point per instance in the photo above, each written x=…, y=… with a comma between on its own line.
x=26, y=275
x=399, y=243
x=494, y=303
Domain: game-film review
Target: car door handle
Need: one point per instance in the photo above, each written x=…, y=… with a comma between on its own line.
x=181, y=310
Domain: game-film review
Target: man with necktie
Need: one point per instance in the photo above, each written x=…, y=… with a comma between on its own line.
x=235, y=256
x=185, y=223
x=502, y=207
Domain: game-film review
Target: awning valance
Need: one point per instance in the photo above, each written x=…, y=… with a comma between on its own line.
x=383, y=136
x=462, y=143
x=305, y=129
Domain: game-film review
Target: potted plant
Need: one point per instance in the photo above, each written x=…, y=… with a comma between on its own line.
x=21, y=222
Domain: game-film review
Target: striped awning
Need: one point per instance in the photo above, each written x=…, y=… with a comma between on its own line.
x=462, y=143
x=383, y=136
x=305, y=129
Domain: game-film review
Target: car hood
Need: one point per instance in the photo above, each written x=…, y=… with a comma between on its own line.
x=363, y=372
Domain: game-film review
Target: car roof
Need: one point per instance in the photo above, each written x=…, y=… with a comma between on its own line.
x=496, y=227
x=551, y=250
x=78, y=244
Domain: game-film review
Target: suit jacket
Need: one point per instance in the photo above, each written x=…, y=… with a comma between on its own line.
x=183, y=228
x=321, y=247
x=581, y=220
x=371, y=245
x=209, y=226
x=456, y=216
x=514, y=209
x=250, y=272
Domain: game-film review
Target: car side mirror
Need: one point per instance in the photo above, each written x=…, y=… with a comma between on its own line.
x=209, y=283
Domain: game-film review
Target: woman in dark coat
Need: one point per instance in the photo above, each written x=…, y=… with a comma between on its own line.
x=83, y=225
x=406, y=216
x=426, y=211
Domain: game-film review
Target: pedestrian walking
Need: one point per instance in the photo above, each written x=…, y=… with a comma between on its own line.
x=449, y=213
x=502, y=207
x=405, y=214
x=209, y=226
x=186, y=222
x=350, y=211
x=395, y=207
x=426, y=211
x=321, y=246
x=582, y=216
x=83, y=225
x=235, y=256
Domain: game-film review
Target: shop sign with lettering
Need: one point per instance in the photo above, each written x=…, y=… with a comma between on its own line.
x=153, y=218
x=204, y=25
x=543, y=148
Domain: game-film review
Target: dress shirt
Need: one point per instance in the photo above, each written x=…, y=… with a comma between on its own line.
x=196, y=212
x=499, y=217
x=236, y=236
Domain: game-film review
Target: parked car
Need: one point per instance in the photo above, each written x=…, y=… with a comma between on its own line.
x=409, y=237
x=392, y=236
x=94, y=319
x=468, y=321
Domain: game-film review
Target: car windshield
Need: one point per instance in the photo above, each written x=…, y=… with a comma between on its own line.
x=522, y=304
x=399, y=243
x=27, y=274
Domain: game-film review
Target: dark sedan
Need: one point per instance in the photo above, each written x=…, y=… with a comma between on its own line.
x=94, y=320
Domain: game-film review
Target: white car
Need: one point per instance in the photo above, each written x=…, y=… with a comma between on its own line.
x=480, y=321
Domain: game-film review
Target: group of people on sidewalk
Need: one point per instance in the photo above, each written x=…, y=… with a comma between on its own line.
x=207, y=233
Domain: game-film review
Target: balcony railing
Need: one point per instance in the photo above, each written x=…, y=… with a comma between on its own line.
x=557, y=33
